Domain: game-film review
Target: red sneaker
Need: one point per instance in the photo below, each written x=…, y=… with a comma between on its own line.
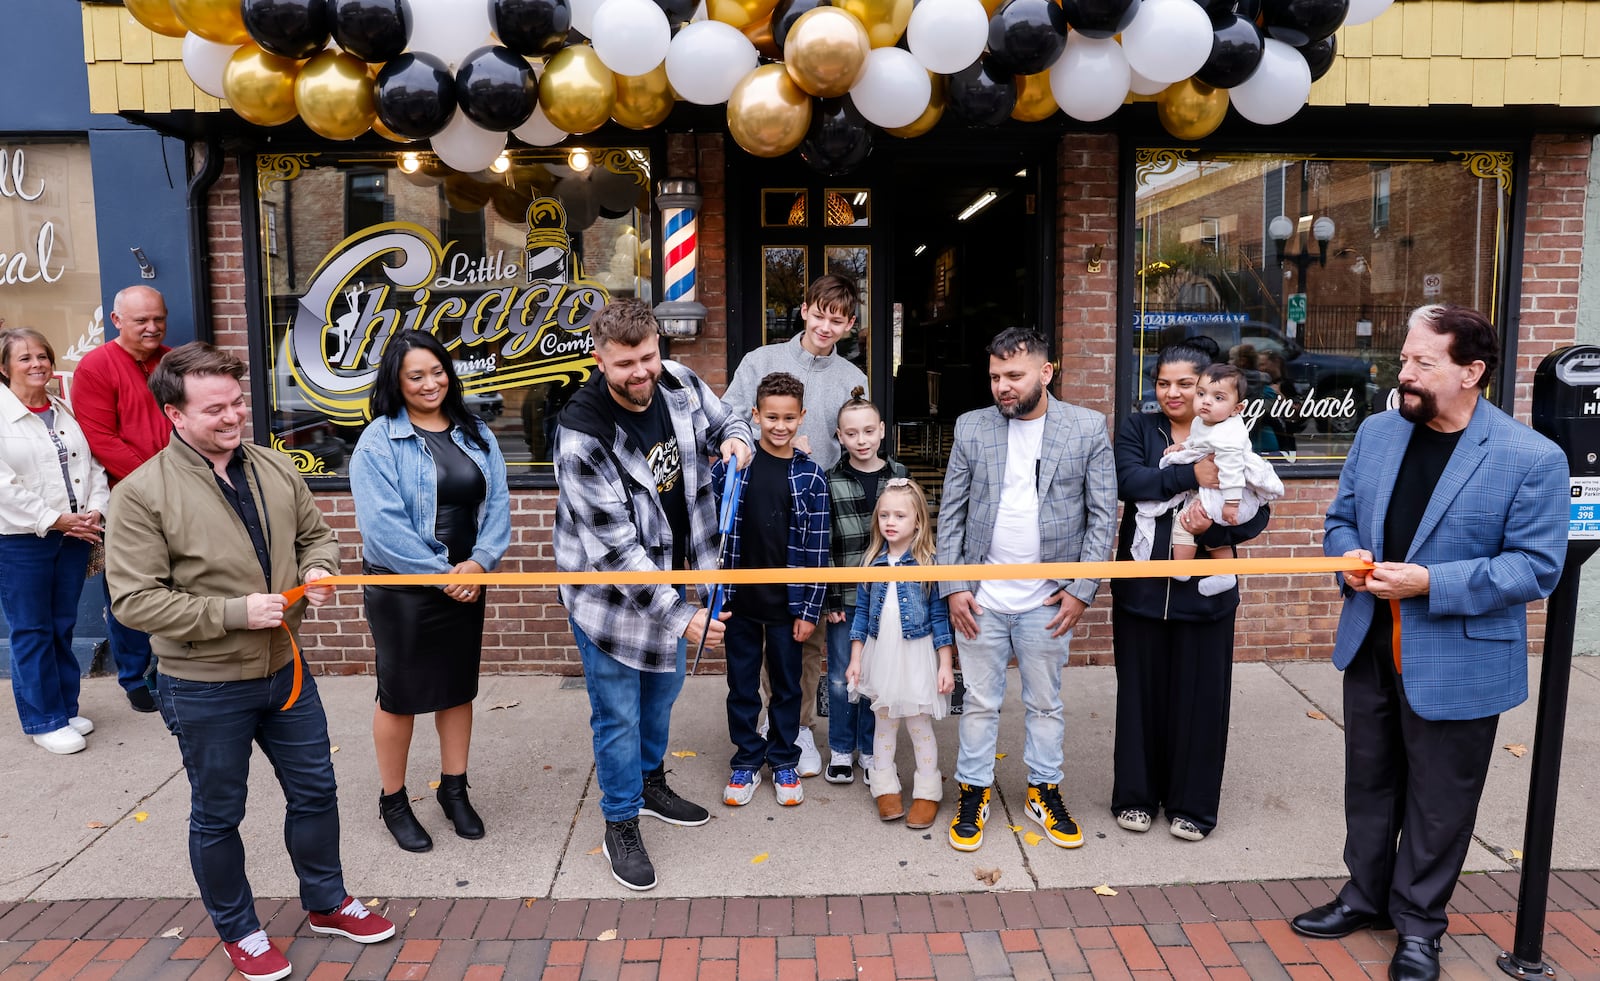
x=353, y=920
x=256, y=959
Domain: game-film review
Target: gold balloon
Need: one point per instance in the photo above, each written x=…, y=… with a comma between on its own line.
x=1192, y=110
x=387, y=133
x=760, y=35
x=157, y=15
x=768, y=115
x=221, y=21
x=990, y=6
x=334, y=94
x=1035, y=101
x=930, y=116
x=577, y=90
x=885, y=20
x=740, y=13
x=825, y=51
x=644, y=100
x=260, y=85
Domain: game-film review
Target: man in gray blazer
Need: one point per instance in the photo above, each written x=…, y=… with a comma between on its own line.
x=1030, y=480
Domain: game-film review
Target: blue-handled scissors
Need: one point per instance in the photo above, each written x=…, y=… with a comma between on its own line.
x=731, y=489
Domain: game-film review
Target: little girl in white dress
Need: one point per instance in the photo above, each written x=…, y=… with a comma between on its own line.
x=900, y=654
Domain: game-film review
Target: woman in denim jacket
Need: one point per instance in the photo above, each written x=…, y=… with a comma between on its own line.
x=430, y=493
x=900, y=651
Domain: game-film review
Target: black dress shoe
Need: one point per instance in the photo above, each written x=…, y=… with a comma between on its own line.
x=140, y=699
x=453, y=798
x=1415, y=959
x=1330, y=921
x=395, y=809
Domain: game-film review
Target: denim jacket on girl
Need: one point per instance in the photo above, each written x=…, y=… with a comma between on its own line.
x=921, y=611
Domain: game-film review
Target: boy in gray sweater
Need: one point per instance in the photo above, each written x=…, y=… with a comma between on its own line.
x=812, y=356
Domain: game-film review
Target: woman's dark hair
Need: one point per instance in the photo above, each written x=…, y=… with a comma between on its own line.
x=387, y=399
x=1192, y=352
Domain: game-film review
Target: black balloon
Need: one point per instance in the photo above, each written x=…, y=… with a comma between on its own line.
x=294, y=29
x=495, y=87
x=839, y=140
x=786, y=13
x=1248, y=9
x=372, y=30
x=416, y=95
x=1026, y=36
x=1236, y=51
x=1303, y=22
x=982, y=93
x=536, y=28
x=1319, y=55
x=678, y=14
x=1099, y=18
x=1220, y=11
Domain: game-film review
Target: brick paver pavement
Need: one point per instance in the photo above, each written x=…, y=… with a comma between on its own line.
x=1214, y=930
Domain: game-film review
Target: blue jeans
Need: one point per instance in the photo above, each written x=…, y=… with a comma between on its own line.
x=130, y=649
x=216, y=724
x=630, y=712
x=850, y=726
x=40, y=582
x=1040, y=658
x=748, y=644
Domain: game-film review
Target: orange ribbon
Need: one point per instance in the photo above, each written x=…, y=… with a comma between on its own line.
x=1394, y=635
x=1153, y=569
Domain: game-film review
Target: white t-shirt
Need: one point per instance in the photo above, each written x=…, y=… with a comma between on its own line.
x=1016, y=526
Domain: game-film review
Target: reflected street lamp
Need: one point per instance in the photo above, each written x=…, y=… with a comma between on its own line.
x=1282, y=228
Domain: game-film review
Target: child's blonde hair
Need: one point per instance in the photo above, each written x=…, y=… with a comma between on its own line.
x=922, y=543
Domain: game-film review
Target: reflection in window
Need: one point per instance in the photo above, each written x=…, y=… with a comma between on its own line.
x=854, y=262
x=783, y=290
x=783, y=206
x=1303, y=272
x=848, y=207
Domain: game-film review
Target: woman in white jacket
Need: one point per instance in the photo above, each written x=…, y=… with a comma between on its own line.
x=52, y=495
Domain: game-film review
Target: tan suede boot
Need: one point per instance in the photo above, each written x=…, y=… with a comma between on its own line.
x=891, y=807
x=922, y=813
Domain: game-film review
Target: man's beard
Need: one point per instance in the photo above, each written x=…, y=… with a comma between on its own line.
x=641, y=401
x=1426, y=410
x=1025, y=403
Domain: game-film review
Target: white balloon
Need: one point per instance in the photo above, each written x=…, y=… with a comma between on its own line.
x=1090, y=79
x=204, y=61
x=1277, y=90
x=631, y=36
x=893, y=88
x=1362, y=11
x=707, y=59
x=948, y=35
x=449, y=29
x=465, y=146
x=539, y=130
x=583, y=12
x=1169, y=40
x=1140, y=85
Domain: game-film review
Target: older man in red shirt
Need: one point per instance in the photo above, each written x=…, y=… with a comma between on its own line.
x=125, y=427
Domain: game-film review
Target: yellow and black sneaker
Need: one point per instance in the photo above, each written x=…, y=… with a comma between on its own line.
x=1049, y=811
x=966, y=829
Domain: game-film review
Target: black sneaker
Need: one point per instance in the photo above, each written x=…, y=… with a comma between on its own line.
x=140, y=698
x=972, y=810
x=661, y=801
x=630, y=863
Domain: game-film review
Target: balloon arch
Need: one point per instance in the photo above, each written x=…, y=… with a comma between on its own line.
x=811, y=75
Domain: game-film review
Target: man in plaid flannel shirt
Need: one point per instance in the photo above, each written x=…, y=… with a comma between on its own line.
x=635, y=494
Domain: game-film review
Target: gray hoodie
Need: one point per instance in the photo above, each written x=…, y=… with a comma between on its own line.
x=828, y=379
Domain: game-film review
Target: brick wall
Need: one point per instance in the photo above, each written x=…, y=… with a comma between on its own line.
x=1281, y=618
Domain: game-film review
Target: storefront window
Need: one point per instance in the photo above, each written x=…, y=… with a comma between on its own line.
x=49, y=263
x=507, y=267
x=1303, y=271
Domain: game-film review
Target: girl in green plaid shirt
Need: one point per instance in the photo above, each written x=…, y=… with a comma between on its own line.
x=853, y=487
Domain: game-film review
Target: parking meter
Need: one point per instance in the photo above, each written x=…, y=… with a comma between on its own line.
x=1566, y=408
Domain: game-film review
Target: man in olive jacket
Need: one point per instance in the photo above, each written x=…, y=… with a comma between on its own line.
x=206, y=537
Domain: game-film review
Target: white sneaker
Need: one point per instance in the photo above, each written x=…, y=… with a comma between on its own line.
x=741, y=787
x=868, y=763
x=841, y=768
x=810, y=760
x=63, y=742
x=786, y=783
x=82, y=725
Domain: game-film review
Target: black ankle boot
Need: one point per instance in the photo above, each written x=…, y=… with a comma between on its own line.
x=453, y=798
x=408, y=832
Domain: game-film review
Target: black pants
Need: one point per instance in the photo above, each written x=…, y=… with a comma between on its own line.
x=748, y=646
x=1410, y=779
x=1174, y=680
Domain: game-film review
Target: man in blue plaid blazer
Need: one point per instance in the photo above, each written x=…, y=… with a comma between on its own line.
x=1463, y=512
x=1031, y=479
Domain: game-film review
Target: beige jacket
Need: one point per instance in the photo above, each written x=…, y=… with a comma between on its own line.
x=32, y=493
x=180, y=563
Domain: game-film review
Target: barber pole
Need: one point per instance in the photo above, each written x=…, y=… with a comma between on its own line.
x=680, y=315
